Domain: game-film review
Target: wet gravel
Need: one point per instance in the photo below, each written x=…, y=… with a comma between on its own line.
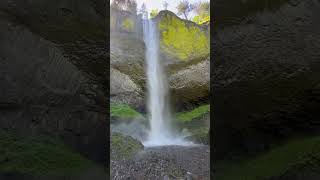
x=164, y=163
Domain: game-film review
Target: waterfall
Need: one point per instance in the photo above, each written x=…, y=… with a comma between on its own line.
x=158, y=94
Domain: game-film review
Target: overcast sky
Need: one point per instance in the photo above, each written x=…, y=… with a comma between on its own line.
x=158, y=4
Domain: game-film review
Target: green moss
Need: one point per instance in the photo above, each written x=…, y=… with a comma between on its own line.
x=182, y=40
x=279, y=160
x=201, y=19
x=128, y=24
x=196, y=122
x=38, y=155
x=123, y=111
x=123, y=146
x=197, y=112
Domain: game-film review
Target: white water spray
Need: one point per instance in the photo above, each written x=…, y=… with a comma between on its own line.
x=158, y=106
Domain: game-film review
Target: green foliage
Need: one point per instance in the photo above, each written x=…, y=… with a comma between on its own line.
x=128, y=24
x=123, y=146
x=154, y=13
x=38, y=155
x=197, y=112
x=202, y=10
x=201, y=19
x=296, y=153
x=123, y=111
x=182, y=41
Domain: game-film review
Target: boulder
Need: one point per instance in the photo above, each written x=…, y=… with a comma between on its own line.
x=123, y=90
x=190, y=85
x=123, y=147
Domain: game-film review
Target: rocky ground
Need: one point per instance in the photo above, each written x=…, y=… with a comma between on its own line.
x=165, y=162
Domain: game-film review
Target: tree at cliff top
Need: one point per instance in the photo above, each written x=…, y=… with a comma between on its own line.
x=165, y=5
x=202, y=9
x=184, y=8
x=143, y=10
x=154, y=13
x=127, y=5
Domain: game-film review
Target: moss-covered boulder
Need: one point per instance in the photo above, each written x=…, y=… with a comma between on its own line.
x=123, y=147
x=180, y=39
x=122, y=113
x=126, y=120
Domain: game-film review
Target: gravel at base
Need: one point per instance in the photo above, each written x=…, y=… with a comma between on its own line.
x=164, y=163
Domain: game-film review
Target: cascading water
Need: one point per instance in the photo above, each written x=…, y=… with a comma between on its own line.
x=158, y=106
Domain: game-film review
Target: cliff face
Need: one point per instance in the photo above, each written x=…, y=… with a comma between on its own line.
x=53, y=67
x=266, y=78
x=186, y=60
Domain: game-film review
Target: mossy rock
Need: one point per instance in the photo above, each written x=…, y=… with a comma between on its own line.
x=123, y=111
x=123, y=147
x=193, y=114
x=196, y=122
x=128, y=24
x=38, y=156
x=182, y=39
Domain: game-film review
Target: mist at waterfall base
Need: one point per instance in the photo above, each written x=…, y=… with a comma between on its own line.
x=161, y=132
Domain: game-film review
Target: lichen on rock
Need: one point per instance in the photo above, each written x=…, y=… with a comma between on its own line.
x=128, y=24
x=182, y=39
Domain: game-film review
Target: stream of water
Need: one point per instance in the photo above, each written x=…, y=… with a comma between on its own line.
x=161, y=132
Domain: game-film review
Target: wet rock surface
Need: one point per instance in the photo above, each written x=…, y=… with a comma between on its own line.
x=53, y=68
x=165, y=162
x=265, y=77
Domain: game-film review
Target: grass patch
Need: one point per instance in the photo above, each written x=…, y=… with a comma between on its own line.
x=279, y=160
x=123, y=111
x=38, y=155
x=197, y=112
